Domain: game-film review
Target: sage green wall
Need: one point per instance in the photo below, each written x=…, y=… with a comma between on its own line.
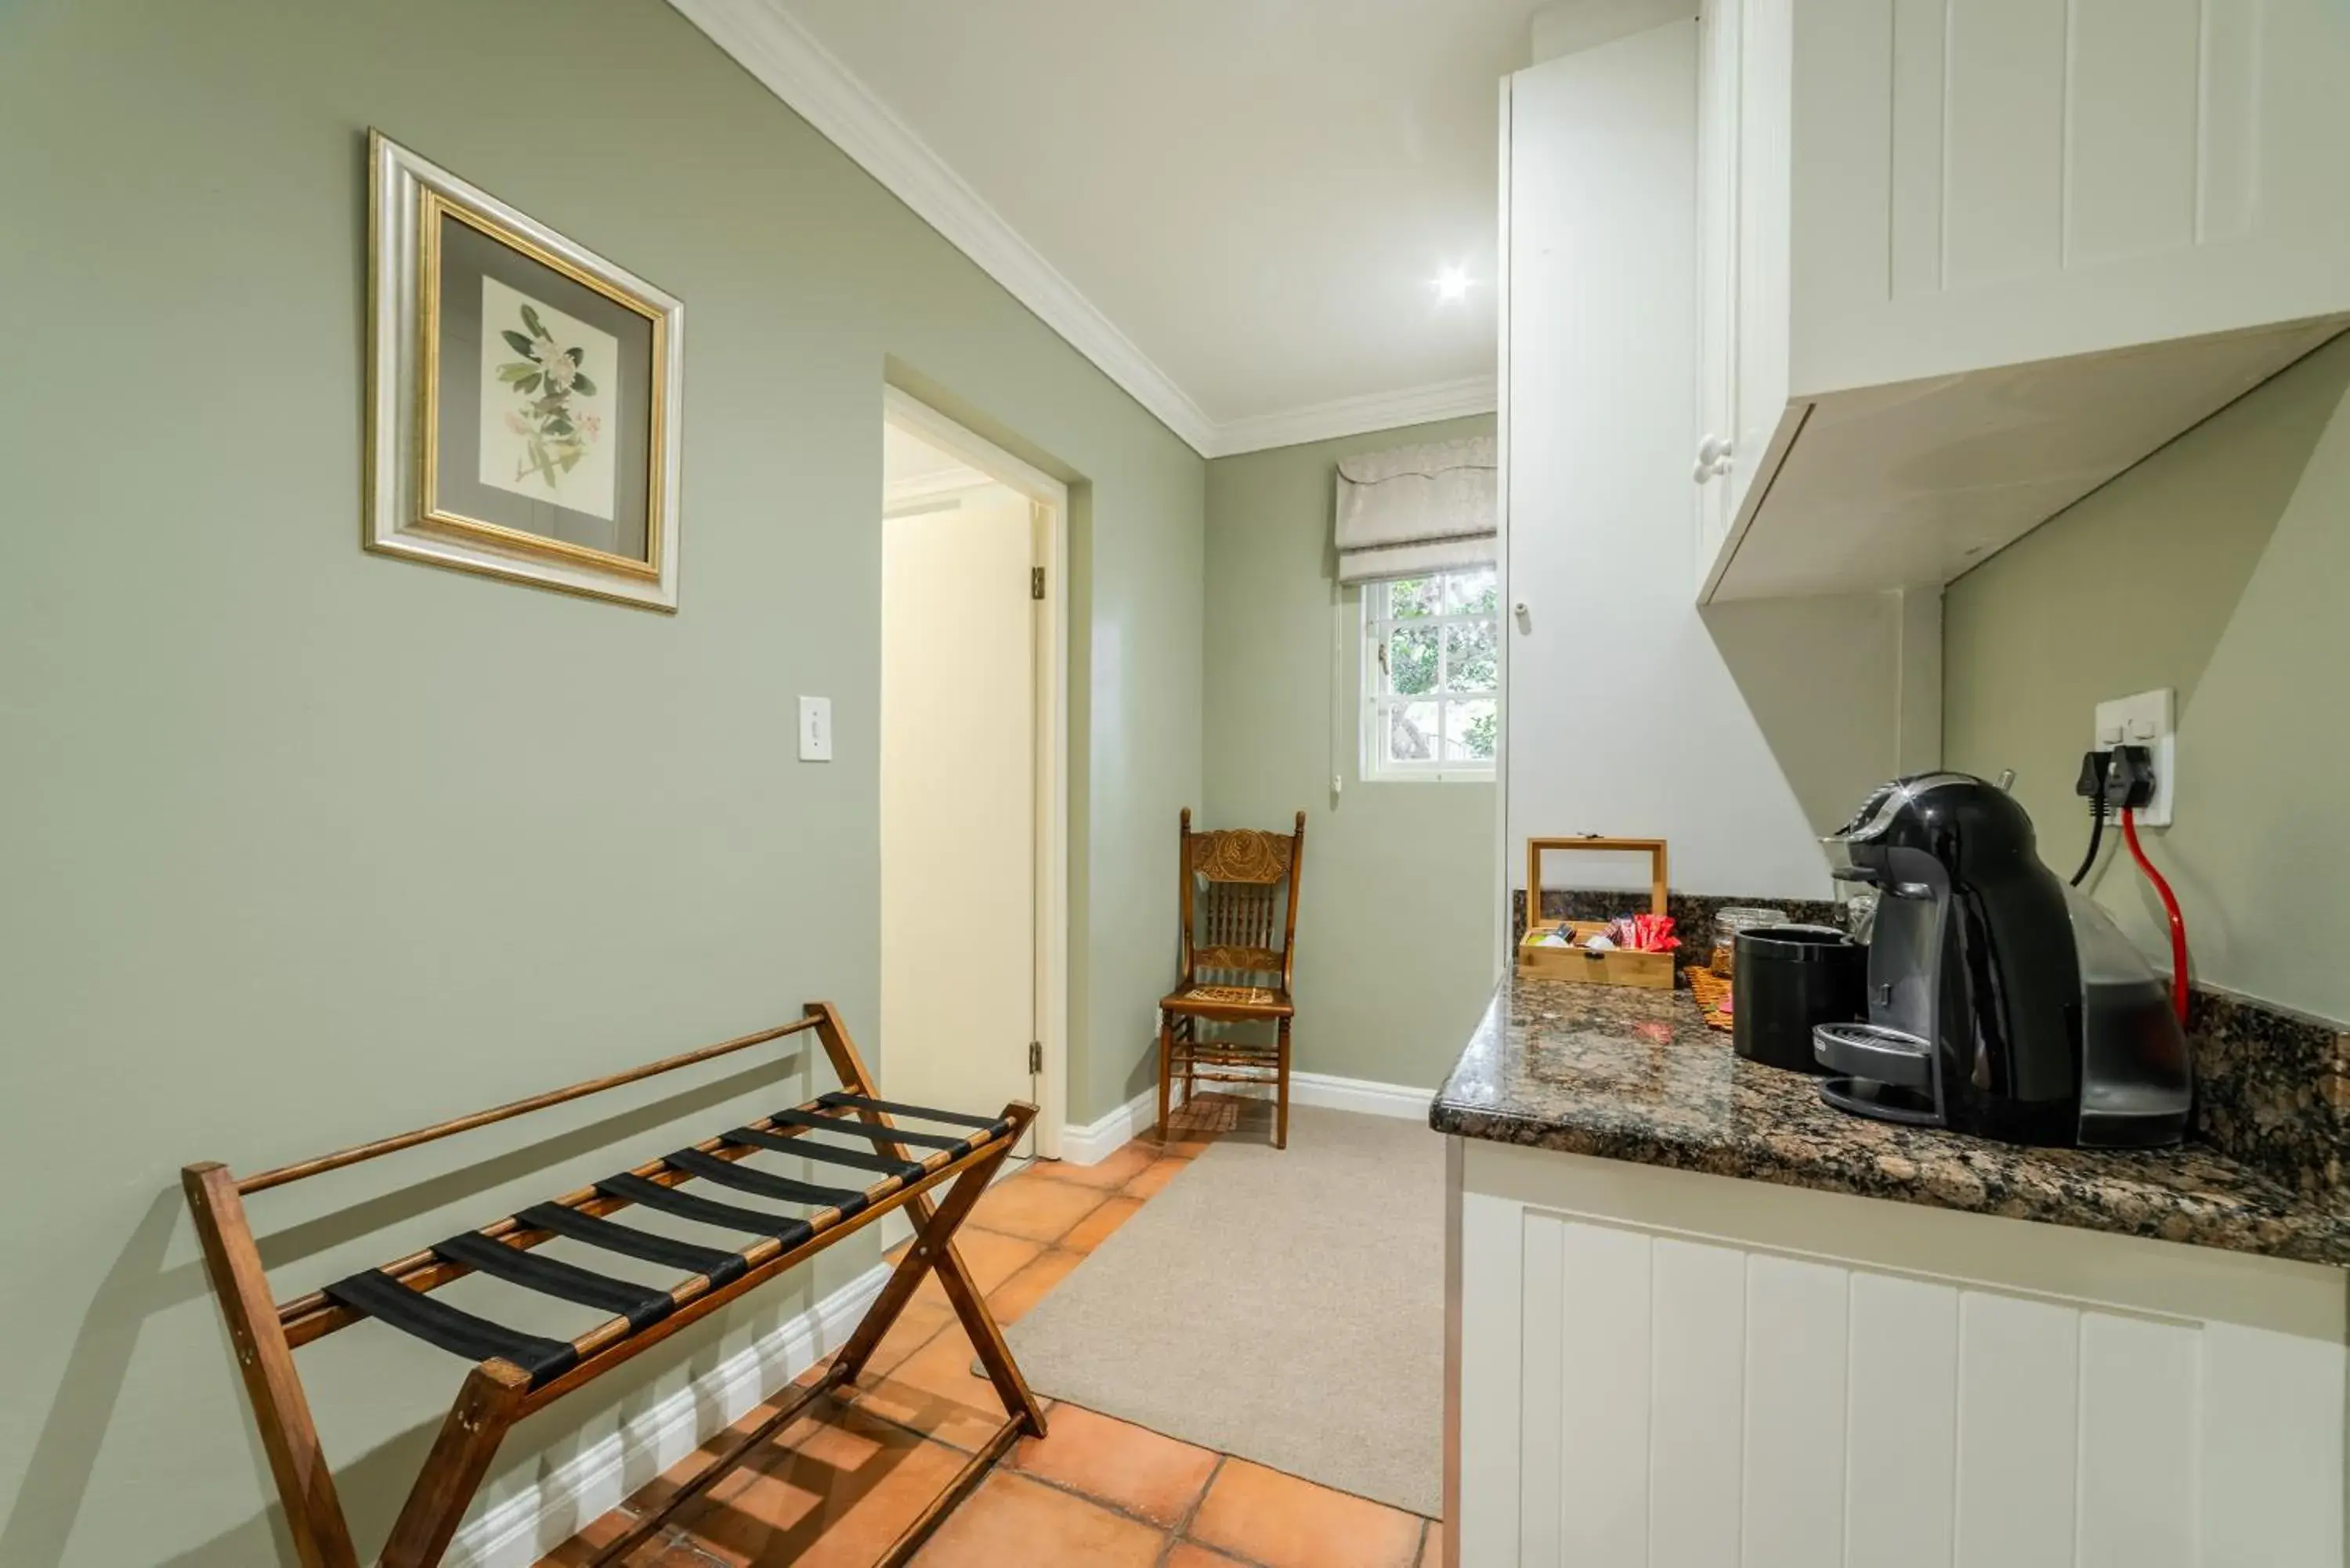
x=2217, y=566
x=303, y=846
x=1397, y=932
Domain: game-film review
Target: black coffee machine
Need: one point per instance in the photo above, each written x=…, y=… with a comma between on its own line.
x=2002, y=1002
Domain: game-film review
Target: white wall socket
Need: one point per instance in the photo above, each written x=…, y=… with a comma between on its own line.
x=816, y=729
x=2148, y=719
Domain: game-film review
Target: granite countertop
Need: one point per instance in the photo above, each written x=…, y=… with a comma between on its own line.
x=1636, y=1075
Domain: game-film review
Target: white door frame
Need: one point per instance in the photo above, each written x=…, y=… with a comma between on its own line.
x=1051, y=512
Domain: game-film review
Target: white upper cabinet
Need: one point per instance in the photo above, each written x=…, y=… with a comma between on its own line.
x=1968, y=259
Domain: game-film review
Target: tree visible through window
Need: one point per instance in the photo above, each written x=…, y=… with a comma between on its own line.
x=1432, y=675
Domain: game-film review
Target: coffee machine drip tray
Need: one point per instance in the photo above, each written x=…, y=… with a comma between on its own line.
x=1878, y=1072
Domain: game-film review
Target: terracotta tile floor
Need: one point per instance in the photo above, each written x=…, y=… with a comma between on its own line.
x=838, y=1485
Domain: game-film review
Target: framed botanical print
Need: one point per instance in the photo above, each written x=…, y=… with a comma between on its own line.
x=522, y=394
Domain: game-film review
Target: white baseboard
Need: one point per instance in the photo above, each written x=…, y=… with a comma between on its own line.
x=526, y=1527
x=1332, y=1093
x=1097, y=1141
x=1359, y=1095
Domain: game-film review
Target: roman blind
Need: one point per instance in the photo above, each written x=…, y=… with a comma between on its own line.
x=1412, y=509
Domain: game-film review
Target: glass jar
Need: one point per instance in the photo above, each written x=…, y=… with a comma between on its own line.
x=1731, y=920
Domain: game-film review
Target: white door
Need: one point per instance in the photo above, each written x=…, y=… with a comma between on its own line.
x=959, y=811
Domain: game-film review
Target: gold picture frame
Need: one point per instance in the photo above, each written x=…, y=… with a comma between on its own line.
x=523, y=395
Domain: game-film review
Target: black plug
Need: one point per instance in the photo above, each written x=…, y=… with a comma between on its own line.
x=2095, y=768
x=2129, y=781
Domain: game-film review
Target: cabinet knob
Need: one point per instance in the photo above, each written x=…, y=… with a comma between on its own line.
x=1712, y=459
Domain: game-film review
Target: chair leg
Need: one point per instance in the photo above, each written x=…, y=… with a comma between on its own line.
x=1166, y=1068
x=1281, y=1116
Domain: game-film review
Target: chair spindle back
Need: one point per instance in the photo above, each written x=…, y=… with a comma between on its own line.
x=1240, y=900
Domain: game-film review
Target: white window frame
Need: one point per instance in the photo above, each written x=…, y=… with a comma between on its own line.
x=1376, y=700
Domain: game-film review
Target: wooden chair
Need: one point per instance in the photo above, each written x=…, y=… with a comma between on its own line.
x=1232, y=881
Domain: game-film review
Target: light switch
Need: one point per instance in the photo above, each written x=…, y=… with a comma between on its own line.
x=816, y=729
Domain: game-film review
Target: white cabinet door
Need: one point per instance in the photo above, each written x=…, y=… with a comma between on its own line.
x=1990, y=182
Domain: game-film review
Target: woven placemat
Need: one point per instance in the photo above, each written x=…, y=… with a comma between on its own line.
x=1711, y=993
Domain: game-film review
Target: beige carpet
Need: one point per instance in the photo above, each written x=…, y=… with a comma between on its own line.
x=1286, y=1306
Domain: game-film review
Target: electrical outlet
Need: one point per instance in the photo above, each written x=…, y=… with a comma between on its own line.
x=816, y=729
x=2148, y=719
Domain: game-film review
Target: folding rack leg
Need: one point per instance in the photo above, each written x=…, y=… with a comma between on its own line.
x=486, y=1407
x=937, y=1240
x=907, y=1277
x=314, y=1514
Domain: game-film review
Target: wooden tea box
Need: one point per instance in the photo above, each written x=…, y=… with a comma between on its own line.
x=1617, y=966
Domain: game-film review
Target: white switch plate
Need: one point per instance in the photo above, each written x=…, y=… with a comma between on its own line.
x=2148, y=719
x=816, y=729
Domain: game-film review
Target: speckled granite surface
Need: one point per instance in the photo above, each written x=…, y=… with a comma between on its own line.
x=2272, y=1087
x=1634, y=1076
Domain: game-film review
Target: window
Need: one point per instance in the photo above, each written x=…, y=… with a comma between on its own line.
x=1431, y=675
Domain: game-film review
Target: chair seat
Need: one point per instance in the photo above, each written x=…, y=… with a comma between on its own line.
x=1239, y=1000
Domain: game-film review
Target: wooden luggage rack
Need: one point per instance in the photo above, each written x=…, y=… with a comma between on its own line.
x=518, y=1374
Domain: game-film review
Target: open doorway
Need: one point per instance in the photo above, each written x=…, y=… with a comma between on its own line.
x=973, y=786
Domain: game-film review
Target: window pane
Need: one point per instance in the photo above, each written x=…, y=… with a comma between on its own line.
x=1409, y=596
x=1474, y=593
x=1471, y=662
x=1411, y=660
x=1469, y=729
x=1411, y=732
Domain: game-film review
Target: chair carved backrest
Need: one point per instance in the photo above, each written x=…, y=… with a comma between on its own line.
x=1240, y=900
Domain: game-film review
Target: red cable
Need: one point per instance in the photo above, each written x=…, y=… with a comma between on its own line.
x=2171, y=903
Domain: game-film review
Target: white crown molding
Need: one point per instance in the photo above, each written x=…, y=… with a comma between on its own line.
x=1357, y=416
x=771, y=44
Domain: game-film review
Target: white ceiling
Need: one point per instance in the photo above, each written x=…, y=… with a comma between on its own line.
x=1236, y=207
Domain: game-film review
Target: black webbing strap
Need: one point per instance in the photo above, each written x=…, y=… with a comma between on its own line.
x=791, y=1232
x=833, y=1154
x=641, y=1306
x=952, y=1118
x=850, y=1125
x=377, y=1295
x=718, y=1266
x=727, y=1173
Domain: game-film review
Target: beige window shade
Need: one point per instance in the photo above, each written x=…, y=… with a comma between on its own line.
x=1413, y=509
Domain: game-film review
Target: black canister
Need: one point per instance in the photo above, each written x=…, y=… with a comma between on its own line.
x=1788, y=979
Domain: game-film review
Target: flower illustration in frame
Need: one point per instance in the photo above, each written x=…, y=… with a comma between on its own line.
x=543, y=410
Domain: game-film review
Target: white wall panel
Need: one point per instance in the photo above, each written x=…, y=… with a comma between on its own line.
x=1798, y=1346
x=1541, y=1426
x=1605, y=1400
x=1634, y=1398
x=2019, y=1391
x=1492, y=1358
x=1697, y=1368
x=1902, y=1427
x=2141, y=1382
x=2271, y=1443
